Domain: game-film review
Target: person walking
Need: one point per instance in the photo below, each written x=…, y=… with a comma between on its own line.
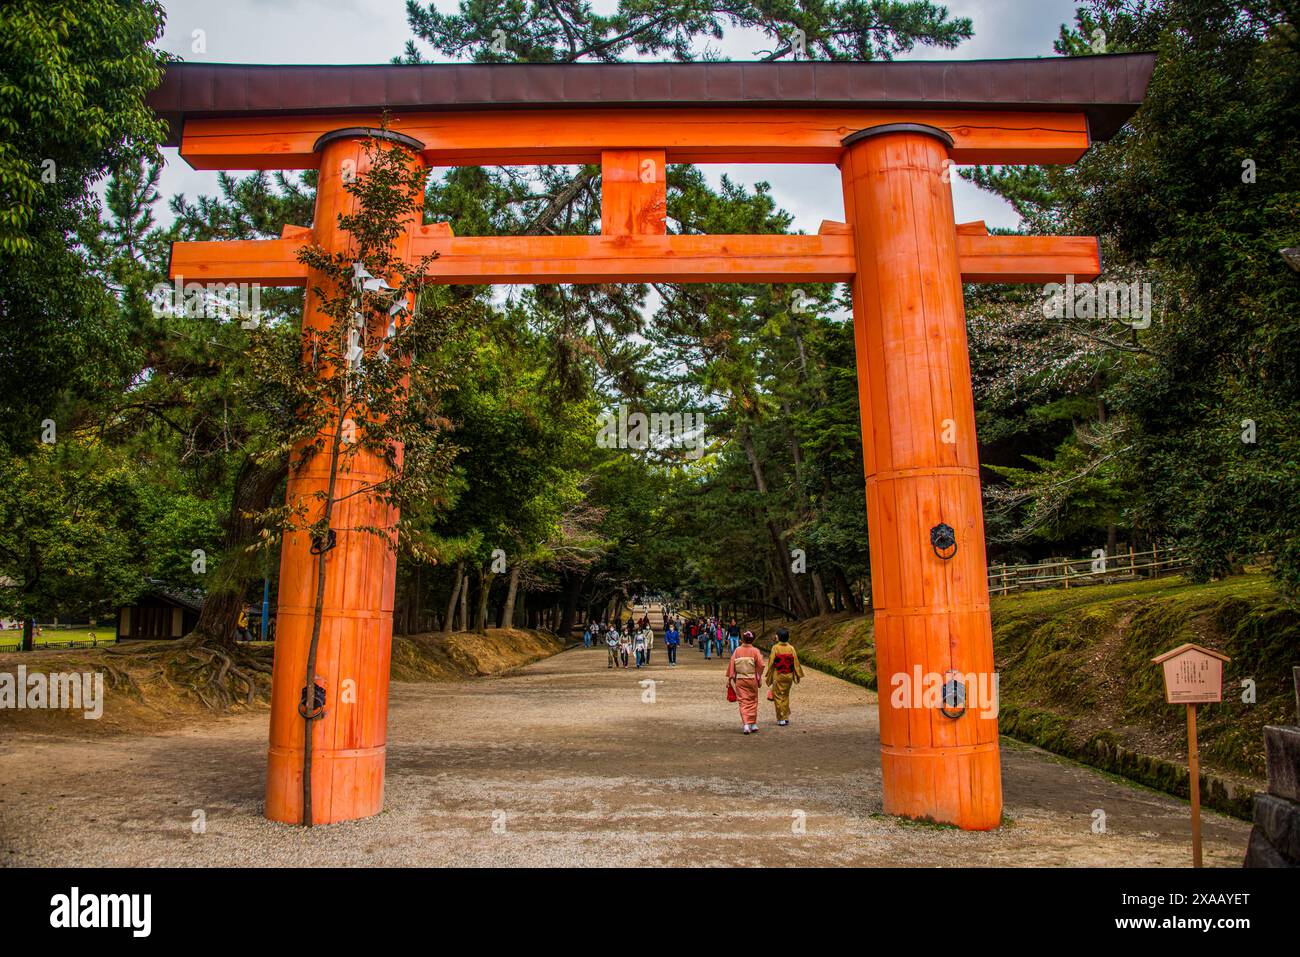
x=744, y=673
x=785, y=672
x=611, y=642
x=638, y=645
x=733, y=636
x=649, y=634
x=672, y=637
x=625, y=645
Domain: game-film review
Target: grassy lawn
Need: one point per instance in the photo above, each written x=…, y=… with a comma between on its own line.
x=11, y=639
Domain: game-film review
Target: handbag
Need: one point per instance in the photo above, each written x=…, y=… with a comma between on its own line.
x=769, y=695
x=731, y=692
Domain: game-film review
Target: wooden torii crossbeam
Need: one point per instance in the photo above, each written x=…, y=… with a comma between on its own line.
x=893, y=129
x=649, y=256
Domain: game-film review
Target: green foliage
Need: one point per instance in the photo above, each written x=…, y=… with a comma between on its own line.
x=522, y=446
x=543, y=32
x=71, y=517
x=1195, y=438
x=73, y=77
x=1177, y=194
x=356, y=392
x=1071, y=497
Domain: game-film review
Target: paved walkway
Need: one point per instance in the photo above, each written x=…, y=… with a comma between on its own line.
x=569, y=763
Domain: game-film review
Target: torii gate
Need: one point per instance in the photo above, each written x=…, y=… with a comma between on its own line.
x=893, y=129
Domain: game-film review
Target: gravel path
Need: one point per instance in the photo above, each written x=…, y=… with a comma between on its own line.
x=564, y=763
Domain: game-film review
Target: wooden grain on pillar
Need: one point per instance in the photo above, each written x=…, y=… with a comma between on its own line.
x=633, y=193
x=922, y=468
x=349, y=743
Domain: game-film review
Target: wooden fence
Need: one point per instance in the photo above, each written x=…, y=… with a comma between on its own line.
x=1076, y=572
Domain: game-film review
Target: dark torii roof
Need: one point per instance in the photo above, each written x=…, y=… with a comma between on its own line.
x=1107, y=88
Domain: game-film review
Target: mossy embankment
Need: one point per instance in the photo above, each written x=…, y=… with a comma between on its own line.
x=1077, y=679
x=151, y=686
x=469, y=654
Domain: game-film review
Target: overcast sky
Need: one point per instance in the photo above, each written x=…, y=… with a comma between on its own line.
x=373, y=31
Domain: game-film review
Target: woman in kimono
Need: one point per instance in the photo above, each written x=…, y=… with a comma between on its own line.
x=784, y=672
x=744, y=674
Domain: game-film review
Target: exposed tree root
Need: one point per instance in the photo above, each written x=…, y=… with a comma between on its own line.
x=219, y=676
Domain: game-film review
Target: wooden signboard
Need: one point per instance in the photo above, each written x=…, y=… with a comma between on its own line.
x=1193, y=675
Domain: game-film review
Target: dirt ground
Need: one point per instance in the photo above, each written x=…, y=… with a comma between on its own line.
x=564, y=763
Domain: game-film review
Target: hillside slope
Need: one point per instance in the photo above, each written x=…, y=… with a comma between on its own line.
x=1077, y=678
x=147, y=687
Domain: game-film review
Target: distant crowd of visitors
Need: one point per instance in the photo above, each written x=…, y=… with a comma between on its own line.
x=633, y=641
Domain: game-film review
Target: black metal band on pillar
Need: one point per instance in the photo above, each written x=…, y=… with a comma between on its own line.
x=941, y=135
x=368, y=132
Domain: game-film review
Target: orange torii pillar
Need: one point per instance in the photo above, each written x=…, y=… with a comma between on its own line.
x=348, y=743
x=922, y=468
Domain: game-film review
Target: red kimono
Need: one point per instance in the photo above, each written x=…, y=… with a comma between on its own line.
x=745, y=671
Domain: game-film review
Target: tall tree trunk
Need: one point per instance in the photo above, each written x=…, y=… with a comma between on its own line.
x=255, y=488
x=508, y=609
x=449, y=623
x=796, y=454
x=464, y=603
x=819, y=594
x=846, y=590
x=1112, y=534
x=571, y=604
x=797, y=600
x=485, y=577
x=417, y=605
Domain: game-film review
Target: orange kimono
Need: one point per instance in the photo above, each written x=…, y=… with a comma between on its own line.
x=745, y=671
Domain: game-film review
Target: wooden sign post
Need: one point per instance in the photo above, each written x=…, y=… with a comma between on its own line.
x=1193, y=675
